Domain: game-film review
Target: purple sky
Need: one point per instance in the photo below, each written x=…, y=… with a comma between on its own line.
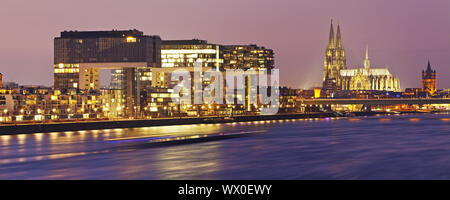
x=401, y=34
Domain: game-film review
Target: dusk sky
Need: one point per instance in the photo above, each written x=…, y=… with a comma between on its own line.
x=401, y=34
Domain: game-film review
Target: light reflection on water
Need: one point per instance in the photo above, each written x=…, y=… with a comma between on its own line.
x=204, y=161
x=396, y=146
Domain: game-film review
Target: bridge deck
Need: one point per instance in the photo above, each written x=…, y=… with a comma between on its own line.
x=412, y=101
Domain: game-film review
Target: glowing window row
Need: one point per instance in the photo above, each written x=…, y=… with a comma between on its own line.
x=62, y=65
x=179, y=55
x=73, y=70
x=191, y=60
x=188, y=51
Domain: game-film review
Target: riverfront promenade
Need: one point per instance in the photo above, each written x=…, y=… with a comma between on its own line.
x=10, y=129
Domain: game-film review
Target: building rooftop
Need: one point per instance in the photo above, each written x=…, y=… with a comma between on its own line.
x=183, y=42
x=97, y=34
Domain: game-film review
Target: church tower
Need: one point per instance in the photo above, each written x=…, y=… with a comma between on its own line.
x=341, y=60
x=367, y=61
x=329, y=55
x=429, y=80
x=335, y=60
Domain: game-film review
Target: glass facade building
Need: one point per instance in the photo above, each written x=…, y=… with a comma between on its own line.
x=80, y=55
x=106, y=46
x=73, y=49
x=184, y=53
x=247, y=57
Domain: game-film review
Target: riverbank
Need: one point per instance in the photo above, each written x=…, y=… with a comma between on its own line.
x=96, y=125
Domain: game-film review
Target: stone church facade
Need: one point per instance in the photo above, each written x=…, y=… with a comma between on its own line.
x=336, y=75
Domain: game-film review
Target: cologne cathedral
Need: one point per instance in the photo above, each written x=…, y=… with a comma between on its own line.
x=337, y=77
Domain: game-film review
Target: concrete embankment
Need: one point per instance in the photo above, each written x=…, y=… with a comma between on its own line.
x=82, y=125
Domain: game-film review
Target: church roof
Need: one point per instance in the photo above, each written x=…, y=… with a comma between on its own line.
x=366, y=72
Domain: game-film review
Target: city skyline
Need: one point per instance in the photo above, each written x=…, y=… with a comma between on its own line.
x=297, y=36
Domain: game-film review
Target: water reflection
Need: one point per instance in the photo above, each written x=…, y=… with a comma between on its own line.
x=293, y=148
x=5, y=139
x=201, y=162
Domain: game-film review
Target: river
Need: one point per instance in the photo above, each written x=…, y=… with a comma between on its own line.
x=411, y=146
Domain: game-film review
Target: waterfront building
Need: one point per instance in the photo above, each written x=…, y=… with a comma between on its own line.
x=163, y=85
x=37, y=103
x=80, y=55
x=289, y=100
x=337, y=77
x=6, y=106
x=113, y=103
x=429, y=83
x=184, y=53
x=247, y=57
x=159, y=103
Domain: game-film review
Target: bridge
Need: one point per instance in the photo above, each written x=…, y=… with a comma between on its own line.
x=398, y=101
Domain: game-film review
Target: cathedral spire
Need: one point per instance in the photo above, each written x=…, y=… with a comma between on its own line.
x=338, y=37
x=367, y=52
x=367, y=61
x=429, y=65
x=331, y=42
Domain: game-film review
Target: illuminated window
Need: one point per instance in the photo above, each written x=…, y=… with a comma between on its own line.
x=131, y=39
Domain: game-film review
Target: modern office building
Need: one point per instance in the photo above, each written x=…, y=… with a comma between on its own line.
x=184, y=53
x=429, y=83
x=80, y=55
x=247, y=57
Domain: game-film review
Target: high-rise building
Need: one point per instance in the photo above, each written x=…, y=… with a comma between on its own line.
x=247, y=57
x=429, y=83
x=187, y=54
x=80, y=55
x=184, y=53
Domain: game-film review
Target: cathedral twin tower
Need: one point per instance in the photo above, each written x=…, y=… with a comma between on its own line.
x=334, y=56
x=337, y=77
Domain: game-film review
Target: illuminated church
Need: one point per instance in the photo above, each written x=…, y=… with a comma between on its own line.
x=429, y=80
x=337, y=77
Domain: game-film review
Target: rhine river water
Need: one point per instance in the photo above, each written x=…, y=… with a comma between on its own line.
x=414, y=146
